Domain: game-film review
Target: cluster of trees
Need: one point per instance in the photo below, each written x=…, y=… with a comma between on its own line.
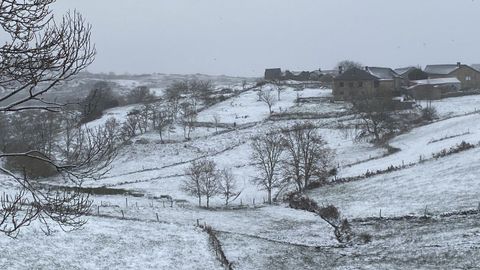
x=160, y=117
x=54, y=138
x=102, y=97
x=206, y=180
x=194, y=92
x=179, y=106
x=295, y=155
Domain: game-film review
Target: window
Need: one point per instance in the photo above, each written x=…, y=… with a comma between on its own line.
x=341, y=93
x=468, y=78
x=376, y=84
x=342, y=84
x=350, y=84
x=360, y=84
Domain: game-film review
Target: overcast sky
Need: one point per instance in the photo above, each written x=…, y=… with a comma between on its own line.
x=243, y=37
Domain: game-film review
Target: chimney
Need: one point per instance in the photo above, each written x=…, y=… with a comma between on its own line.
x=340, y=70
x=366, y=68
x=459, y=64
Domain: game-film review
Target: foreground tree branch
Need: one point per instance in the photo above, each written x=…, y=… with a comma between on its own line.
x=39, y=54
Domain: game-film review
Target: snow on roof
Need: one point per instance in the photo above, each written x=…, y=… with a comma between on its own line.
x=404, y=70
x=382, y=73
x=441, y=69
x=476, y=67
x=438, y=81
x=356, y=74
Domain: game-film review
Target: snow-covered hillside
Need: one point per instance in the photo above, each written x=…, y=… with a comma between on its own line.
x=148, y=232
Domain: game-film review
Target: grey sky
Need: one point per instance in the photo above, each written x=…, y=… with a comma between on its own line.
x=242, y=37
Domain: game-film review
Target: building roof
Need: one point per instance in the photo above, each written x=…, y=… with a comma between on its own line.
x=382, y=73
x=332, y=72
x=356, y=74
x=441, y=69
x=438, y=81
x=476, y=67
x=404, y=70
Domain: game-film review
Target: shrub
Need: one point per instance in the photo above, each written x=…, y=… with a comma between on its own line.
x=429, y=114
x=330, y=213
x=344, y=232
x=365, y=238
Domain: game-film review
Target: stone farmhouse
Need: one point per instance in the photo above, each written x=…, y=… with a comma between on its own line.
x=468, y=76
x=369, y=82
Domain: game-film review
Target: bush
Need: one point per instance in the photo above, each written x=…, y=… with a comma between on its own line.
x=344, y=232
x=139, y=95
x=330, y=213
x=365, y=238
x=429, y=114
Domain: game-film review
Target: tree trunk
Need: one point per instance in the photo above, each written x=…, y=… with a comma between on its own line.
x=208, y=201
x=269, y=191
x=200, y=201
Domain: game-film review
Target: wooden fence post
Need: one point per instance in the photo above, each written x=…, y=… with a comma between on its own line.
x=126, y=202
x=158, y=219
x=123, y=214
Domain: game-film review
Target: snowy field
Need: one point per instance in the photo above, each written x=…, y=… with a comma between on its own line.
x=437, y=186
x=456, y=106
x=106, y=243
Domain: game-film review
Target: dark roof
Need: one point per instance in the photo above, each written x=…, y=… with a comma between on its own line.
x=356, y=74
x=441, y=69
x=382, y=73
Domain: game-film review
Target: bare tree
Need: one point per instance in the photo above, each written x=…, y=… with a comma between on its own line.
x=163, y=120
x=173, y=94
x=267, y=155
x=131, y=125
x=202, y=180
x=373, y=118
x=38, y=55
x=140, y=94
x=192, y=185
x=209, y=180
x=307, y=155
x=268, y=97
x=216, y=120
x=244, y=84
x=228, y=185
x=188, y=118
